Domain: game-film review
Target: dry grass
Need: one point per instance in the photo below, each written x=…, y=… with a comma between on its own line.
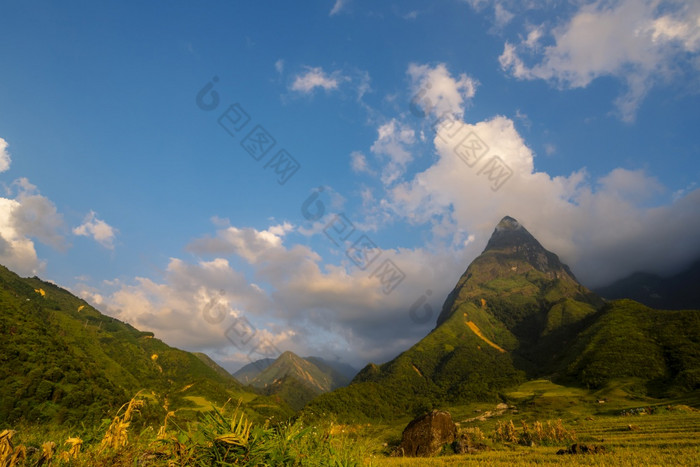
x=116, y=436
x=74, y=450
x=551, y=433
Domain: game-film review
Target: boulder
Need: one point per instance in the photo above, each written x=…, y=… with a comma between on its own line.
x=426, y=435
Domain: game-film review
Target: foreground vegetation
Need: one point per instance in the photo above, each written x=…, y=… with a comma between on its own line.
x=631, y=429
x=220, y=437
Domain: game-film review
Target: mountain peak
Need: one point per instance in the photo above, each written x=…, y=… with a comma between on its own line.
x=510, y=235
x=513, y=262
x=508, y=223
x=288, y=354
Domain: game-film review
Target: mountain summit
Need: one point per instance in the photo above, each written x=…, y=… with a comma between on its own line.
x=294, y=379
x=510, y=315
x=511, y=238
x=517, y=312
x=516, y=265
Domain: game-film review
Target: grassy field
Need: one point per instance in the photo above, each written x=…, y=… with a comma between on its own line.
x=668, y=436
x=650, y=432
x=671, y=438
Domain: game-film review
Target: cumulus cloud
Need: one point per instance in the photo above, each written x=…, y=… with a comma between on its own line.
x=25, y=216
x=347, y=82
x=602, y=228
x=191, y=307
x=293, y=299
x=436, y=91
x=98, y=229
x=358, y=163
x=501, y=15
x=5, y=159
x=391, y=145
x=255, y=246
x=638, y=42
x=17, y=251
x=36, y=216
x=87, y=292
x=315, y=77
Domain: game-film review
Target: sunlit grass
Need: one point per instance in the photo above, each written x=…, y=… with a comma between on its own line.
x=226, y=436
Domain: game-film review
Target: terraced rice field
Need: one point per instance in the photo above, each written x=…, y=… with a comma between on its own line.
x=665, y=439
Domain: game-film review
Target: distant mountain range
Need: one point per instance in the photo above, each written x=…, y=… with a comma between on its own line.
x=519, y=313
x=680, y=291
x=294, y=379
x=63, y=361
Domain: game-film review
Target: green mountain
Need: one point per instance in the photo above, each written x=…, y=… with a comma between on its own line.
x=297, y=380
x=340, y=373
x=214, y=366
x=627, y=339
x=528, y=290
x=248, y=372
x=677, y=292
x=517, y=312
x=63, y=361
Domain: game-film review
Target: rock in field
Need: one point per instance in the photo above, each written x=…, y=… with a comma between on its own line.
x=426, y=435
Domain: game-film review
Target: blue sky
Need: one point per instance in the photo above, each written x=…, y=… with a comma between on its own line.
x=423, y=123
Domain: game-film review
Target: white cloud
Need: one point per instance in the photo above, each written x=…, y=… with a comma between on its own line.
x=338, y=6
x=279, y=66
x=638, y=42
x=87, y=292
x=98, y=229
x=362, y=80
x=36, y=216
x=5, y=159
x=27, y=216
x=391, y=144
x=603, y=228
x=298, y=305
x=191, y=307
x=358, y=163
x=437, y=92
x=255, y=246
x=16, y=250
x=315, y=77
x=501, y=15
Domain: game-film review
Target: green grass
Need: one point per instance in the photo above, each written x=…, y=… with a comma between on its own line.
x=201, y=404
x=668, y=436
x=545, y=388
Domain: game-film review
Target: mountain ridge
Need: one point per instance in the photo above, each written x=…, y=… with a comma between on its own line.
x=675, y=292
x=294, y=379
x=515, y=314
x=63, y=361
